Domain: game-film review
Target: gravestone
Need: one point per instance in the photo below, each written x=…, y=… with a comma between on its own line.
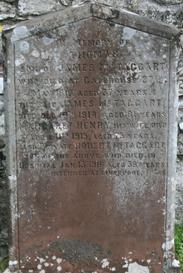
x=91, y=102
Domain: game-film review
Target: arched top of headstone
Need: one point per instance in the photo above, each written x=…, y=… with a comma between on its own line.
x=86, y=10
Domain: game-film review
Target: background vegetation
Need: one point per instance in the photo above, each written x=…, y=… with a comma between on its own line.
x=179, y=244
x=3, y=265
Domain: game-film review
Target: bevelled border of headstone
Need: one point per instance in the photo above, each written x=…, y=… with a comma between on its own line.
x=61, y=18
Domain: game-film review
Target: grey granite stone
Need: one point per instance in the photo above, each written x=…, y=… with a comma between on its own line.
x=1, y=85
x=151, y=9
x=28, y=7
x=180, y=143
x=2, y=121
x=169, y=2
x=4, y=205
x=179, y=191
x=180, y=76
x=180, y=127
x=7, y=11
x=171, y=14
x=9, y=1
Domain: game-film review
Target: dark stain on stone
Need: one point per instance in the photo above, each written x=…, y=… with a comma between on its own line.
x=25, y=163
x=78, y=251
x=48, y=115
x=115, y=13
x=24, y=109
x=46, y=125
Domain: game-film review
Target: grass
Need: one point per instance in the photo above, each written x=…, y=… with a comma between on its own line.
x=3, y=265
x=179, y=244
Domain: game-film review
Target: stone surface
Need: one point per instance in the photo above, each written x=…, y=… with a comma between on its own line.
x=4, y=207
x=2, y=125
x=179, y=191
x=180, y=144
x=171, y=14
x=26, y=7
x=7, y=11
x=180, y=130
x=151, y=9
x=169, y=2
x=10, y=1
x=90, y=134
x=1, y=85
x=180, y=76
x=179, y=188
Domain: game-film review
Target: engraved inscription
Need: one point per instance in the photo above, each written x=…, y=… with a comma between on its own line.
x=128, y=96
x=92, y=127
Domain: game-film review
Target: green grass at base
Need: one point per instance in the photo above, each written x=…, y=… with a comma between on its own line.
x=3, y=265
x=179, y=244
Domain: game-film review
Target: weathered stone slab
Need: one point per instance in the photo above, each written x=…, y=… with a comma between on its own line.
x=7, y=11
x=32, y=7
x=91, y=125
